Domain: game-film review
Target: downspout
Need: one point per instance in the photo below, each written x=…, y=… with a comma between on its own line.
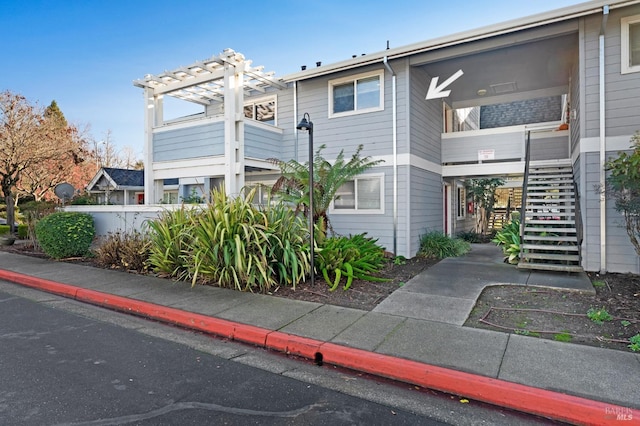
x=394, y=144
x=295, y=119
x=603, y=143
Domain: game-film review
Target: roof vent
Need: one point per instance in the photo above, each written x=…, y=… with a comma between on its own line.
x=318, y=63
x=303, y=67
x=504, y=87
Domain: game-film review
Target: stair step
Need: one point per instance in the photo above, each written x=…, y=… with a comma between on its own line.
x=559, y=238
x=552, y=193
x=554, y=173
x=550, y=200
x=550, y=222
x=551, y=256
x=548, y=210
x=553, y=247
x=537, y=185
x=549, y=216
x=549, y=267
x=551, y=230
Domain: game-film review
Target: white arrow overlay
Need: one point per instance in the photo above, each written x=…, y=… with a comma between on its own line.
x=436, y=91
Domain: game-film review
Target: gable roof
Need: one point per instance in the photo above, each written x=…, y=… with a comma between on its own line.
x=125, y=177
x=117, y=178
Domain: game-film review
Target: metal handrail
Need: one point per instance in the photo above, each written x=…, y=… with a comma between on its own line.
x=523, y=207
x=578, y=218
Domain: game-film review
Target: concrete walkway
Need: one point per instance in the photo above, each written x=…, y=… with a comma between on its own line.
x=415, y=335
x=447, y=291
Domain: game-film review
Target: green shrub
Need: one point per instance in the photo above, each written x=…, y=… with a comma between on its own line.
x=124, y=251
x=509, y=240
x=437, y=245
x=350, y=257
x=470, y=236
x=232, y=243
x=32, y=212
x=170, y=236
x=22, y=230
x=65, y=234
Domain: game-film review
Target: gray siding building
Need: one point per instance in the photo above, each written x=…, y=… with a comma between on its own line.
x=557, y=92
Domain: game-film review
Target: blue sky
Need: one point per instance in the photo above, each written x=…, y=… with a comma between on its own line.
x=85, y=54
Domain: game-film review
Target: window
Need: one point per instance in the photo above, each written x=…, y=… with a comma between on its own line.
x=361, y=195
x=630, y=44
x=355, y=95
x=461, y=201
x=170, y=197
x=263, y=110
x=262, y=195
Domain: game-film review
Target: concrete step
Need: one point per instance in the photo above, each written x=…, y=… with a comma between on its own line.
x=551, y=256
x=549, y=267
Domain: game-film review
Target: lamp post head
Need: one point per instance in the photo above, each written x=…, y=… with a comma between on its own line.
x=305, y=123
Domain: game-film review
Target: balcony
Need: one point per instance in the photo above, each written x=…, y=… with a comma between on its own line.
x=502, y=149
x=198, y=137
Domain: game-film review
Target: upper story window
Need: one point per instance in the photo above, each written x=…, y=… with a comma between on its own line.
x=364, y=194
x=630, y=44
x=263, y=110
x=356, y=94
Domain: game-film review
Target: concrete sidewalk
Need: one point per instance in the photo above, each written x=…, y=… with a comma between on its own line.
x=415, y=335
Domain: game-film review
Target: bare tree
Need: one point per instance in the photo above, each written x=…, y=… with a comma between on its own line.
x=71, y=166
x=106, y=154
x=27, y=138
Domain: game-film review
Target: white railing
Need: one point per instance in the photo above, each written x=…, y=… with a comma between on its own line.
x=505, y=144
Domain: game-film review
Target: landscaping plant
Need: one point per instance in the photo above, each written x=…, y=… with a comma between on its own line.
x=170, y=236
x=635, y=343
x=623, y=185
x=65, y=234
x=350, y=257
x=508, y=238
x=483, y=193
x=237, y=245
x=598, y=316
x=328, y=177
x=128, y=251
x=436, y=244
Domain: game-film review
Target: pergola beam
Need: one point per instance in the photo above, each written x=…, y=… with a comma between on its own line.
x=204, y=80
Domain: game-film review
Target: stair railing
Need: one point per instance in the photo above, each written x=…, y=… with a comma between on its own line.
x=523, y=201
x=577, y=218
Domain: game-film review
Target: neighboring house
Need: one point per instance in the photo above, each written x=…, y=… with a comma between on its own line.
x=126, y=187
x=541, y=101
x=117, y=186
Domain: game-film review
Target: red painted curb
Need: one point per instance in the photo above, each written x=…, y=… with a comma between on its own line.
x=528, y=399
x=519, y=397
x=294, y=345
x=39, y=283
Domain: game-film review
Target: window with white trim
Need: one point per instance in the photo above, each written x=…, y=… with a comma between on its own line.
x=364, y=194
x=263, y=110
x=461, y=202
x=630, y=44
x=356, y=94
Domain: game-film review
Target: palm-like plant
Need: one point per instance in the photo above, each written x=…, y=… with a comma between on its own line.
x=293, y=185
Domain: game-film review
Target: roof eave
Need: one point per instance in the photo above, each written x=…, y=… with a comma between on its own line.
x=566, y=13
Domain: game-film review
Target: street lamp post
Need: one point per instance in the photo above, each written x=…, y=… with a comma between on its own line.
x=307, y=124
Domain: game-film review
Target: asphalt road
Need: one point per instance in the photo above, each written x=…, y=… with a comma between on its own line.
x=67, y=363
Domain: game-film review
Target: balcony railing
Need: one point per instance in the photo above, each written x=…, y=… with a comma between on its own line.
x=505, y=144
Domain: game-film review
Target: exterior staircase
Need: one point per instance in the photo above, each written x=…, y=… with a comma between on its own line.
x=550, y=234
